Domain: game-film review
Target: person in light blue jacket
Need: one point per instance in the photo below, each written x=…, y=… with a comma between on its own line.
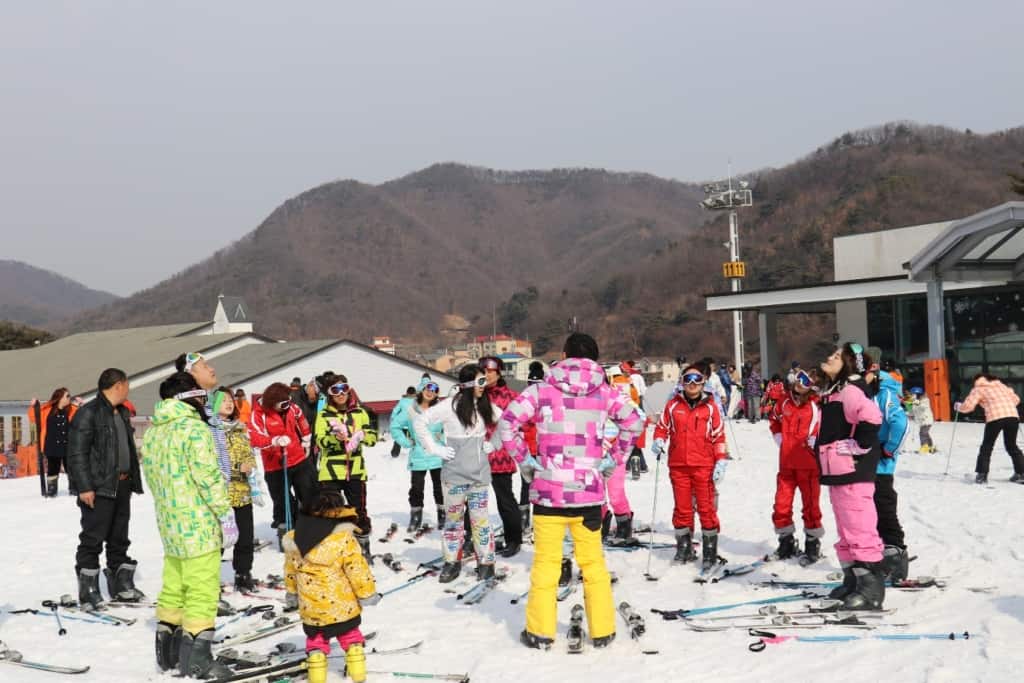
x=887, y=393
x=421, y=461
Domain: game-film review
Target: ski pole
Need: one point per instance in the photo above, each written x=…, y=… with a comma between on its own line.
x=287, y=496
x=515, y=600
x=61, y=631
x=949, y=454
x=66, y=616
x=458, y=678
x=768, y=638
x=415, y=579
x=654, y=507
x=682, y=613
x=266, y=610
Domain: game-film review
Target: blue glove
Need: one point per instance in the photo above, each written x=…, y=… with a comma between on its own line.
x=719, y=473
x=528, y=467
x=607, y=466
x=658, y=448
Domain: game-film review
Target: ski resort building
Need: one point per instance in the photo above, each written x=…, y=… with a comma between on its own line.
x=945, y=300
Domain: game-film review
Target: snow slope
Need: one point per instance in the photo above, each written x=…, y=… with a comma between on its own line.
x=970, y=534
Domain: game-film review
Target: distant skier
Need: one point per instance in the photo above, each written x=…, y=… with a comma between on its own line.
x=1001, y=415
x=921, y=409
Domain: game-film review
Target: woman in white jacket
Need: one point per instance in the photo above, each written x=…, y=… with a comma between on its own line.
x=469, y=422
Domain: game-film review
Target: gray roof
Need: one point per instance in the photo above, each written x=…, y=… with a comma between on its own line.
x=235, y=367
x=987, y=246
x=76, y=361
x=235, y=309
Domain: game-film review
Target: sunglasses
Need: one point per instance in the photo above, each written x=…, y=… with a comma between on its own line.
x=432, y=387
x=338, y=389
x=480, y=382
x=804, y=380
x=283, y=405
x=693, y=378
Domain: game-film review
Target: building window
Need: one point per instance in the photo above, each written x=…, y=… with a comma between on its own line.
x=3, y=441
x=16, y=430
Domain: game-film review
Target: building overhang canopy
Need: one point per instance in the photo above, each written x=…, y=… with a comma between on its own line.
x=988, y=246
x=821, y=298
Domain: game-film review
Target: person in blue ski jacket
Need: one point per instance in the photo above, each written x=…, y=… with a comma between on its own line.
x=887, y=393
x=421, y=461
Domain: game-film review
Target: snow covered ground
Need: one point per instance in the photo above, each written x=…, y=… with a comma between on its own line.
x=970, y=534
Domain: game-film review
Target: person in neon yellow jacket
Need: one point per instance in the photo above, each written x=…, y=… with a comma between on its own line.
x=179, y=460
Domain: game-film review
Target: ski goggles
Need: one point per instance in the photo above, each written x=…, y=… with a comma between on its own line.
x=431, y=386
x=283, y=405
x=191, y=359
x=194, y=393
x=691, y=378
x=338, y=389
x=803, y=379
x=480, y=382
x=489, y=364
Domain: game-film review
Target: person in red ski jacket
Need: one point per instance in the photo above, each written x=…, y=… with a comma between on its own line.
x=773, y=394
x=278, y=428
x=794, y=423
x=502, y=464
x=692, y=430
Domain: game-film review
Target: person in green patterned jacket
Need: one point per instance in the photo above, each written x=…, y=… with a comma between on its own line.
x=179, y=460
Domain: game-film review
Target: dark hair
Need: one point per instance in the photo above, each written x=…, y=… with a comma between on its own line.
x=181, y=382
x=179, y=362
x=110, y=377
x=580, y=345
x=693, y=366
x=776, y=377
x=274, y=394
x=57, y=395
x=536, y=373
x=466, y=402
x=433, y=401
x=853, y=364
x=325, y=501
x=227, y=392
x=988, y=376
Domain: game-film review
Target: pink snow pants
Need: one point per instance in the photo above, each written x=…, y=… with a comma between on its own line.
x=346, y=640
x=856, y=522
x=616, y=487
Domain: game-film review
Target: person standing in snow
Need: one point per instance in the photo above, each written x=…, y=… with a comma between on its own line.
x=407, y=399
x=848, y=452
x=794, y=423
x=502, y=467
x=421, y=462
x=921, y=409
x=280, y=431
x=535, y=376
x=692, y=432
x=469, y=423
x=774, y=392
x=104, y=468
x=567, y=489
x=1001, y=415
x=190, y=497
x=55, y=417
x=886, y=392
x=752, y=392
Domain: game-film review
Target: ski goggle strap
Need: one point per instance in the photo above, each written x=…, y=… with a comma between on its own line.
x=858, y=352
x=480, y=381
x=194, y=393
x=338, y=389
x=692, y=378
x=191, y=359
x=489, y=364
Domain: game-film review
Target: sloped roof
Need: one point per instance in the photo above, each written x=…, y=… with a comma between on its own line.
x=239, y=365
x=77, y=360
x=235, y=309
x=986, y=246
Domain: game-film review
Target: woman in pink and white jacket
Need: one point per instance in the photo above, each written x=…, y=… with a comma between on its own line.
x=848, y=451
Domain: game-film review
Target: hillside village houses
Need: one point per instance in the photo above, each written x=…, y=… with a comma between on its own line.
x=242, y=358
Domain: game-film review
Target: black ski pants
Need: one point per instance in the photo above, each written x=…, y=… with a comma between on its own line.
x=355, y=492
x=885, y=504
x=508, y=508
x=241, y=560
x=301, y=488
x=418, y=484
x=1008, y=426
x=106, y=522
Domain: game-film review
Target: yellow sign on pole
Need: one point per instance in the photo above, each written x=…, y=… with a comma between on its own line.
x=734, y=269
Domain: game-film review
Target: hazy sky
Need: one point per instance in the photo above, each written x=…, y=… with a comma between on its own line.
x=138, y=137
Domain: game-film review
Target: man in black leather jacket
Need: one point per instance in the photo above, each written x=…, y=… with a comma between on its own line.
x=104, y=465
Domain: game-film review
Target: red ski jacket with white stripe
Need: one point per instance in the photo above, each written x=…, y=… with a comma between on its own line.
x=696, y=436
x=797, y=425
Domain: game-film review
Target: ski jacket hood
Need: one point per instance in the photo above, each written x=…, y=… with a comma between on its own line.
x=576, y=376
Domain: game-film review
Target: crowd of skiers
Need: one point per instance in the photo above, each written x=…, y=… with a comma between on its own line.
x=571, y=434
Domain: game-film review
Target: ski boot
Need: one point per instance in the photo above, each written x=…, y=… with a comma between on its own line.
x=316, y=667
x=281, y=531
x=684, y=549
x=196, y=659
x=709, y=549
x=355, y=663
x=524, y=515
x=981, y=478
x=440, y=516
x=449, y=572
x=121, y=583
x=510, y=550
x=485, y=572
x=415, y=520
x=623, y=529
x=812, y=550
x=634, y=466
x=244, y=582
x=603, y=641
x=535, y=642
x=565, y=578
x=847, y=587
x=89, y=597
x=1017, y=478
x=51, y=487
x=606, y=526
x=895, y=563
x=168, y=643
x=869, y=592
x=787, y=547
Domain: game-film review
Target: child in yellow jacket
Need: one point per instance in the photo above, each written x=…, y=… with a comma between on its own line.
x=327, y=578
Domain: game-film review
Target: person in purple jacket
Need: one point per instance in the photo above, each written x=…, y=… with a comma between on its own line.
x=567, y=481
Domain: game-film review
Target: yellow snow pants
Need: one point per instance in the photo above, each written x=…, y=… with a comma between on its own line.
x=542, y=603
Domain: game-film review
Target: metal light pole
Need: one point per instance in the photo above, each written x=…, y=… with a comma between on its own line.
x=725, y=198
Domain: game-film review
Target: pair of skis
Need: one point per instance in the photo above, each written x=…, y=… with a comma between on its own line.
x=766, y=638
x=14, y=658
x=419, y=533
x=673, y=614
x=478, y=591
x=917, y=583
